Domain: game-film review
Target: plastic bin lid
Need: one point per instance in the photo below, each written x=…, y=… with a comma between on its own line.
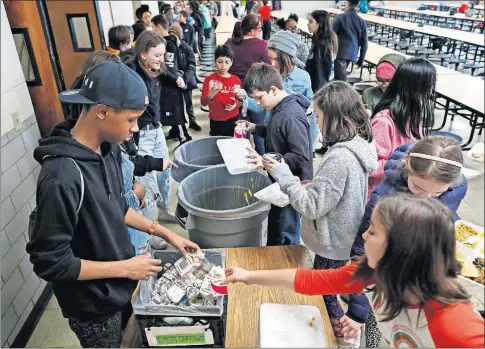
x=234, y=152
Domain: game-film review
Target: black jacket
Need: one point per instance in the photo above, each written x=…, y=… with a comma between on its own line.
x=319, y=66
x=151, y=116
x=187, y=64
x=188, y=34
x=61, y=238
x=143, y=164
x=288, y=133
x=171, y=100
x=351, y=31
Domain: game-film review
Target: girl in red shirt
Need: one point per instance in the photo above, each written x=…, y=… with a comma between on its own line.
x=411, y=267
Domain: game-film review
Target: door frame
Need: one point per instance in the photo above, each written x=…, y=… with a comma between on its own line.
x=49, y=37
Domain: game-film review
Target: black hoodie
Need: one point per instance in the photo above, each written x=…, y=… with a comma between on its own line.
x=288, y=133
x=61, y=238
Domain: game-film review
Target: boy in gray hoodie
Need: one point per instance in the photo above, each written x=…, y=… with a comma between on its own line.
x=332, y=204
x=287, y=133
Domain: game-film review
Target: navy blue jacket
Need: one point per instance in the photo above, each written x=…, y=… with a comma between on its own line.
x=351, y=31
x=394, y=183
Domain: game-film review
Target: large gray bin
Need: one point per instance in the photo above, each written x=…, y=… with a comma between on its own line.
x=196, y=155
x=219, y=215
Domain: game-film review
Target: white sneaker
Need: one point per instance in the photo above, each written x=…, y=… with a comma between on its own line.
x=350, y=342
x=157, y=243
x=166, y=216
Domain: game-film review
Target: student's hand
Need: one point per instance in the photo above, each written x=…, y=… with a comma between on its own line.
x=350, y=327
x=167, y=163
x=240, y=94
x=234, y=275
x=270, y=164
x=141, y=267
x=213, y=91
x=231, y=107
x=180, y=82
x=248, y=126
x=254, y=159
x=139, y=190
x=183, y=245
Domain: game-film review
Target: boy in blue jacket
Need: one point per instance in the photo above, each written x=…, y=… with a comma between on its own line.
x=351, y=32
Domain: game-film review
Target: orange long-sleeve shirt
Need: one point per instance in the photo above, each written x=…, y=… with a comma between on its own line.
x=435, y=326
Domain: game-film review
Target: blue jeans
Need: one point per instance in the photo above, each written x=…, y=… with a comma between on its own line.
x=257, y=118
x=312, y=119
x=153, y=143
x=284, y=225
x=139, y=240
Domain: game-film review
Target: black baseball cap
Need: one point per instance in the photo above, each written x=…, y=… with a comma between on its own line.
x=112, y=84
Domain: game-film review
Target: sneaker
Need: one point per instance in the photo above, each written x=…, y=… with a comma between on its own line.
x=157, y=243
x=188, y=138
x=349, y=342
x=166, y=215
x=170, y=137
x=194, y=126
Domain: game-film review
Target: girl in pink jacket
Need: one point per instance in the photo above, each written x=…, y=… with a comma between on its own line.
x=405, y=112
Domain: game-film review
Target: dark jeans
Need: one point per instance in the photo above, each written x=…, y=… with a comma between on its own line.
x=284, y=226
x=266, y=29
x=189, y=105
x=106, y=334
x=207, y=32
x=223, y=128
x=340, y=69
x=257, y=118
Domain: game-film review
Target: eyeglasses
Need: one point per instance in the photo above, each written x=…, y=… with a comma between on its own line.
x=257, y=29
x=383, y=82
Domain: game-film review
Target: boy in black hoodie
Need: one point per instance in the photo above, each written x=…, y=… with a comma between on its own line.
x=79, y=240
x=287, y=133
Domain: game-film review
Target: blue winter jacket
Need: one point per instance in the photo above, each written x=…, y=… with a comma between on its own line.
x=394, y=183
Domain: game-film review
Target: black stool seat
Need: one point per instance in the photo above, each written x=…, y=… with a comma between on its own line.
x=456, y=60
x=386, y=39
x=371, y=35
x=377, y=38
x=403, y=45
x=416, y=48
x=208, y=68
x=441, y=55
x=353, y=80
x=473, y=65
x=427, y=52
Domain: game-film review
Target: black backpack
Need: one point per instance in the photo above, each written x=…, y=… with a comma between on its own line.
x=33, y=214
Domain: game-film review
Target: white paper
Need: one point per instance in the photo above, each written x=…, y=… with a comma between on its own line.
x=273, y=195
x=280, y=322
x=234, y=152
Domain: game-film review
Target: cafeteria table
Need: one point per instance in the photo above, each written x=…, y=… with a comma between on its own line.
x=242, y=323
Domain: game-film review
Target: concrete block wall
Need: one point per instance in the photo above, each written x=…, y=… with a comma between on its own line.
x=20, y=287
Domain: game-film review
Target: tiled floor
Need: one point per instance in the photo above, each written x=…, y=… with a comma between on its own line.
x=53, y=330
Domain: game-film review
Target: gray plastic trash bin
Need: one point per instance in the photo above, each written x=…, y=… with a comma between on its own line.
x=219, y=215
x=196, y=155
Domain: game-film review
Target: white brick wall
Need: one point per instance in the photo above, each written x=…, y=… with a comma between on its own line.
x=21, y=288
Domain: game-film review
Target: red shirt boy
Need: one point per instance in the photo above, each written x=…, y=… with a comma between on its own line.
x=220, y=92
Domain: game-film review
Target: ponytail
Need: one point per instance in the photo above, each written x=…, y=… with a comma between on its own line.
x=237, y=33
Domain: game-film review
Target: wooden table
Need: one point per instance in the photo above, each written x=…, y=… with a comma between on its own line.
x=242, y=323
x=225, y=24
x=244, y=301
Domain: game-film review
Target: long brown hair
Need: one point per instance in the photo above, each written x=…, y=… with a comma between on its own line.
x=147, y=40
x=344, y=113
x=285, y=61
x=419, y=257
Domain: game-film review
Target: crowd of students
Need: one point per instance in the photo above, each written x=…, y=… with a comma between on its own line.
x=105, y=179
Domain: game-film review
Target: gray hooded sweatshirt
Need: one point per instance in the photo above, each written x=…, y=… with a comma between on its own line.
x=332, y=204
